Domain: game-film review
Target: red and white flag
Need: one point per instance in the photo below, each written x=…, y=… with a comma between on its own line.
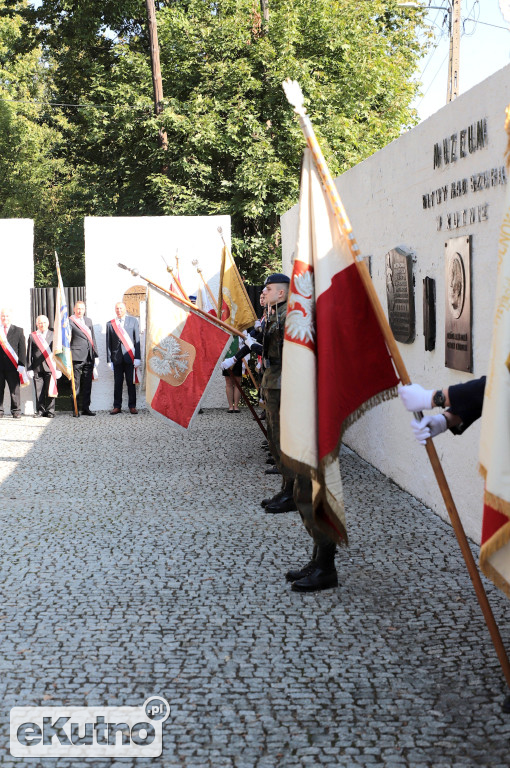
x=204, y=301
x=181, y=353
x=335, y=361
x=495, y=433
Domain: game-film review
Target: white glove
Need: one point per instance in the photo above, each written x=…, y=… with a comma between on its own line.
x=59, y=374
x=228, y=363
x=257, y=324
x=95, y=375
x=258, y=367
x=30, y=374
x=249, y=340
x=21, y=369
x=110, y=365
x=136, y=362
x=415, y=398
x=429, y=426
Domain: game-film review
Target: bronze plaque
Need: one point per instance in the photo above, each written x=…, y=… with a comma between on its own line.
x=132, y=298
x=400, y=294
x=458, y=339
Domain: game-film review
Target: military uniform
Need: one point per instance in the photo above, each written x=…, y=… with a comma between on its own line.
x=296, y=491
x=272, y=344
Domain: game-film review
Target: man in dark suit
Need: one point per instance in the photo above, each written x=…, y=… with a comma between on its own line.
x=123, y=355
x=84, y=353
x=13, y=357
x=42, y=369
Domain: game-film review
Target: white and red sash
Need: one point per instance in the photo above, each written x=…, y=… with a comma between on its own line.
x=13, y=357
x=44, y=348
x=83, y=327
x=127, y=343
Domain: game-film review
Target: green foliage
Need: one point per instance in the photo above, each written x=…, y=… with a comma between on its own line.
x=234, y=146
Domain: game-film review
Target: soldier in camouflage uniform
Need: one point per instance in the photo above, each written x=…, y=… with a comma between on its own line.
x=296, y=491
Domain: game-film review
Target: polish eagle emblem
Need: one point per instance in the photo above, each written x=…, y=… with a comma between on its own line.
x=170, y=359
x=300, y=321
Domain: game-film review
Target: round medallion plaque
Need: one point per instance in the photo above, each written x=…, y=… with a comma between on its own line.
x=132, y=298
x=456, y=285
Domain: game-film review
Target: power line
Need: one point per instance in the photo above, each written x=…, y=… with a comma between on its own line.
x=430, y=84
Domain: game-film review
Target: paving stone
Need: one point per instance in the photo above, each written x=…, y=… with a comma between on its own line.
x=146, y=566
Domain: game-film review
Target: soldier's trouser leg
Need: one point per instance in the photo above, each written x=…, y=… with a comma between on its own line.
x=272, y=398
x=324, y=547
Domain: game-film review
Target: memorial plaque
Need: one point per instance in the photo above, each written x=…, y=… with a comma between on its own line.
x=132, y=298
x=400, y=294
x=458, y=337
x=429, y=313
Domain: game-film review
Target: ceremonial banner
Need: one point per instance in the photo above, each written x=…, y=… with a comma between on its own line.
x=181, y=353
x=335, y=361
x=61, y=330
x=495, y=434
x=235, y=304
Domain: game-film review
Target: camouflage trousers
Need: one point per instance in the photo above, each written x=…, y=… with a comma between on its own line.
x=272, y=400
x=301, y=486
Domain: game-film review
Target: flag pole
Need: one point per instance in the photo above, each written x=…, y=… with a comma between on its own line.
x=215, y=305
x=185, y=302
x=73, y=385
x=171, y=270
x=206, y=285
x=241, y=281
x=296, y=99
x=245, y=398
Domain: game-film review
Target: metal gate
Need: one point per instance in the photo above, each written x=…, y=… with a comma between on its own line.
x=42, y=302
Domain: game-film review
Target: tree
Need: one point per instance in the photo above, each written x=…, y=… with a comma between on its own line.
x=33, y=176
x=234, y=146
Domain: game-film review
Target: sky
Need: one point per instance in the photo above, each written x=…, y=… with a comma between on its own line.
x=484, y=49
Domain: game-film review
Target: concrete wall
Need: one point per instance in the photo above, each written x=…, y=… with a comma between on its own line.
x=17, y=270
x=384, y=198
x=141, y=242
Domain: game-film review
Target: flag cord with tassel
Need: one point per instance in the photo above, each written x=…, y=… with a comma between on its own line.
x=295, y=98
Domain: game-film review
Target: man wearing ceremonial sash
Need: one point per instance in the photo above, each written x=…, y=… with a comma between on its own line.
x=123, y=356
x=12, y=362
x=84, y=354
x=42, y=369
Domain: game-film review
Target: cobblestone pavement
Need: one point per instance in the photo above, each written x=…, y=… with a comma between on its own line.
x=175, y=586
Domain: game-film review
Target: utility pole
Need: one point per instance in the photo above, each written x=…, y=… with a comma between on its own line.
x=454, y=58
x=452, y=90
x=156, y=68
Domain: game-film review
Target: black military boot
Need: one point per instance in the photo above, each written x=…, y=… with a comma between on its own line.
x=295, y=575
x=323, y=575
x=285, y=503
x=275, y=498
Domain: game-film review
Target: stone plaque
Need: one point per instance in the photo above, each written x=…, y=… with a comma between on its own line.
x=458, y=339
x=400, y=294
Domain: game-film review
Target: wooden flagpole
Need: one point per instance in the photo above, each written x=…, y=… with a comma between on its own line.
x=245, y=398
x=73, y=385
x=185, y=301
x=295, y=98
x=241, y=281
x=215, y=305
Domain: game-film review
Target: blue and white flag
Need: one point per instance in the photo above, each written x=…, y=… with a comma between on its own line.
x=61, y=330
